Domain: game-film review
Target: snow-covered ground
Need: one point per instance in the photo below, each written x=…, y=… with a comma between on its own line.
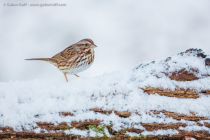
x=20, y=101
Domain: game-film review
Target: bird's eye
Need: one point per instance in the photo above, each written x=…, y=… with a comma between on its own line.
x=86, y=44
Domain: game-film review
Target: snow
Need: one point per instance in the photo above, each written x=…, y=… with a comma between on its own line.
x=86, y=133
x=194, y=128
x=83, y=133
x=107, y=133
x=37, y=130
x=132, y=134
x=21, y=101
x=94, y=134
x=160, y=132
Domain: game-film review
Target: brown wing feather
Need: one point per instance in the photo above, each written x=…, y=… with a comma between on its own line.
x=65, y=54
x=69, y=52
x=58, y=57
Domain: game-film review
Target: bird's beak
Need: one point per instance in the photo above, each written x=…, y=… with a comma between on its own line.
x=94, y=45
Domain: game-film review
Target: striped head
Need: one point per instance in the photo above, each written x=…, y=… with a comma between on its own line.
x=86, y=44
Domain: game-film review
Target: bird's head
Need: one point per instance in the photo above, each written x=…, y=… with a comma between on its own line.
x=86, y=43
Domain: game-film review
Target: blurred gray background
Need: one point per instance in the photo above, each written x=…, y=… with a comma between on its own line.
x=126, y=32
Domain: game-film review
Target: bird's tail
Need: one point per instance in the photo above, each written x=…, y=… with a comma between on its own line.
x=43, y=59
x=51, y=60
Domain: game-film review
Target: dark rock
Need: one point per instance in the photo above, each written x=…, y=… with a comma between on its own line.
x=207, y=61
x=201, y=55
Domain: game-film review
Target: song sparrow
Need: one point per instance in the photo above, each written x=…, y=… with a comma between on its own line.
x=74, y=59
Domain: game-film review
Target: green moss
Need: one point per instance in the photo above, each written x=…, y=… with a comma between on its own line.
x=82, y=128
x=100, y=138
x=97, y=129
x=100, y=129
x=7, y=136
x=123, y=131
x=66, y=127
x=49, y=138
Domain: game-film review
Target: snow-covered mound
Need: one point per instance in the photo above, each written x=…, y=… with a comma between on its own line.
x=117, y=100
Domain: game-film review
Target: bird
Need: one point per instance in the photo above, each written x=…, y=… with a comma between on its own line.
x=74, y=59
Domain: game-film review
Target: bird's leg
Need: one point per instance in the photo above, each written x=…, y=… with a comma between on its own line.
x=65, y=76
x=76, y=75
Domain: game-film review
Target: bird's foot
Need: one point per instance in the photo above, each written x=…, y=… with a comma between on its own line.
x=65, y=77
x=76, y=75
